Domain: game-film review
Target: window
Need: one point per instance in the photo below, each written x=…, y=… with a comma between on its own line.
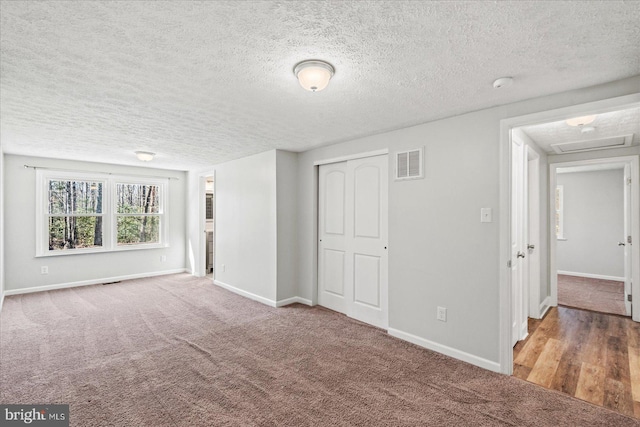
x=74, y=214
x=85, y=213
x=138, y=213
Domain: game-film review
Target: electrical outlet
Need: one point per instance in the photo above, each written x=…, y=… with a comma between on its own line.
x=44, y=270
x=223, y=267
x=442, y=314
x=163, y=258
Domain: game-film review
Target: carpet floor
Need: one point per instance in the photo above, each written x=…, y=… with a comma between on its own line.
x=605, y=296
x=179, y=351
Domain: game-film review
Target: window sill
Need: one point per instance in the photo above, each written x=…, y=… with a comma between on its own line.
x=101, y=251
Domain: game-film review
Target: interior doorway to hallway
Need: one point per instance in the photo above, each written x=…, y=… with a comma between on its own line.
x=560, y=143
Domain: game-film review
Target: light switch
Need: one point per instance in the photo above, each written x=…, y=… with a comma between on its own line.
x=486, y=215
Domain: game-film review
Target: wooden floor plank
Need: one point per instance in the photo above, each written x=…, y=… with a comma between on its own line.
x=591, y=384
x=589, y=355
x=547, y=364
x=617, y=396
x=617, y=364
x=634, y=372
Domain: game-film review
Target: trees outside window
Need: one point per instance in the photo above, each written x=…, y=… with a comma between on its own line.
x=138, y=214
x=80, y=213
x=75, y=214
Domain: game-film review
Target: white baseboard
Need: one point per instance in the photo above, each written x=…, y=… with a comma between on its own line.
x=92, y=282
x=246, y=294
x=544, y=307
x=293, y=300
x=591, y=276
x=448, y=351
x=261, y=299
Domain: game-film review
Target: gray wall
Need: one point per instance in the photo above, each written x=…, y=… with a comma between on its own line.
x=287, y=217
x=246, y=231
x=23, y=268
x=593, y=223
x=2, y=181
x=256, y=225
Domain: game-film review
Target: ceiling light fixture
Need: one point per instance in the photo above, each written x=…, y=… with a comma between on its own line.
x=145, y=156
x=580, y=121
x=314, y=75
x=503, y=82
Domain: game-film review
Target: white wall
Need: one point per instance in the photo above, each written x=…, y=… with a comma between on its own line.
x=439, y=252
x=246, y=229
x=23, y=268
x=2, y=181
x=593, y=223
x=287, y=189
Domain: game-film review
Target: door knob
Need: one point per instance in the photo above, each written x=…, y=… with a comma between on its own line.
x=621, y=244
x=520, y=254
x=531, y=247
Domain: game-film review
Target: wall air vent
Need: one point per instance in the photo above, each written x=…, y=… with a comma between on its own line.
x=593, y=144
x=409, y=164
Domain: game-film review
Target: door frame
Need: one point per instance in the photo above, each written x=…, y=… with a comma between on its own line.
x=198, y=256
x=633, y=162
x=506, y=126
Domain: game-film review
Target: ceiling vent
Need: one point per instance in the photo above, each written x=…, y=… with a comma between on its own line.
x=593, y=144
x=409, y=164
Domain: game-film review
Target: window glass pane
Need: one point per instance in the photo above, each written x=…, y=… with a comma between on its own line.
x=75, y=197
x=74, y=232
x=138, y=229
x=137, y=198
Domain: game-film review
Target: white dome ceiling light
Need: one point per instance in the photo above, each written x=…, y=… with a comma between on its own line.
x=314, y=75
x=145, y=156
x=580, y=121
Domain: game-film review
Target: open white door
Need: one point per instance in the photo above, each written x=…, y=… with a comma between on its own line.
x=518, y=209
x=626, y=242
x=352, y=247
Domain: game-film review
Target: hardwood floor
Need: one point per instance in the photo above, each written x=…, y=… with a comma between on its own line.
x=605, y=296
x=592, y=356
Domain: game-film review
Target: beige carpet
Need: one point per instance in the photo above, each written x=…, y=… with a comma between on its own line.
x=606, y=296
x=178, y=351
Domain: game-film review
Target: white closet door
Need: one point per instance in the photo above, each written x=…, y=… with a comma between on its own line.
x=353, y=259
x=332, y=255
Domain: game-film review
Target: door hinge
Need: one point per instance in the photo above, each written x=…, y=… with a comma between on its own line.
x=628, y=181
x=509, y=264
x=629, y=239
x=629, y=298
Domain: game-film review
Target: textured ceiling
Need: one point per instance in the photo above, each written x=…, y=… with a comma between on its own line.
x=607, y=125
x=204, y=82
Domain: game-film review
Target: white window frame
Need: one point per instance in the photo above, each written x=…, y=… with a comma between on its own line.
x=109, y=208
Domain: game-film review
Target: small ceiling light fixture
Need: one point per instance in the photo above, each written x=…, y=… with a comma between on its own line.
x=314, y=75
x=145, y=156
x=580, y=121
x=503, y=82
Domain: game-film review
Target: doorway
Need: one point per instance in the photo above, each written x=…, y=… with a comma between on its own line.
x=352, y=238
x=592, y=242
x=209, y=227
x=589, y=256
x=587, y=146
